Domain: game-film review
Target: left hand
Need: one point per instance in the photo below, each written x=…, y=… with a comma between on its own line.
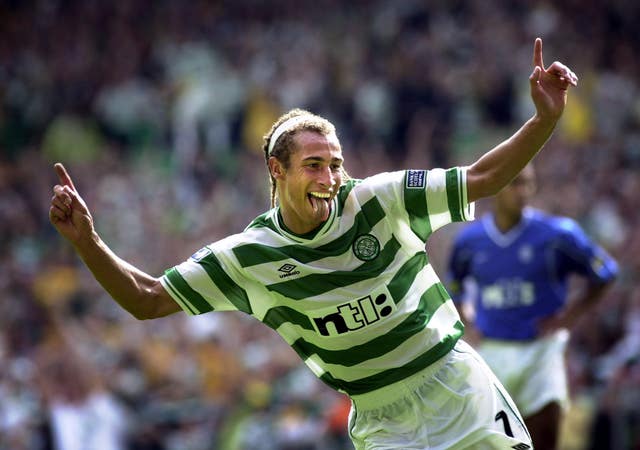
x=550, y=325
x=549, y=86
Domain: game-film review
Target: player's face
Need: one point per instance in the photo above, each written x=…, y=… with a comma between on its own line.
x=307, y=187
x=516, y=195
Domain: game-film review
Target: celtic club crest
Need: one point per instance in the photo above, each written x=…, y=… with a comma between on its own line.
x=366, y=247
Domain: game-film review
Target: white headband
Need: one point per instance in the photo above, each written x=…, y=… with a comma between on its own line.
x=285, y=126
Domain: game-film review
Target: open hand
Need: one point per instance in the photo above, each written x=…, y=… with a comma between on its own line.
x=549, y=86
x=68, y=212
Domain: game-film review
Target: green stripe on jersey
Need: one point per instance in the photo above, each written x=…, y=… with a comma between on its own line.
x=402, y=280
x=236, y=294
x=252, y=254
x=415, y=201
x=343, y=193
x=387, y=377
x=281, y=314
x=263, y=221
x=454, y=193
x=317, y=284
x=184, y=291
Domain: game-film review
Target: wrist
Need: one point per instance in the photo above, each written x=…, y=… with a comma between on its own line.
x=544, y=122
x=87, y=242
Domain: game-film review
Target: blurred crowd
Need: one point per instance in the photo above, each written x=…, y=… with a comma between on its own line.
x=157, y=108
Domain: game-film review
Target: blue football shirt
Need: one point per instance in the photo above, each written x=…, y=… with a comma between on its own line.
x=516, y=278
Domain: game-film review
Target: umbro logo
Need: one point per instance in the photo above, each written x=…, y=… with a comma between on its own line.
x=288, y=270
x=521, y=446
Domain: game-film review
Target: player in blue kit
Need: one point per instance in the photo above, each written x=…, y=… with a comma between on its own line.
x=514, y=266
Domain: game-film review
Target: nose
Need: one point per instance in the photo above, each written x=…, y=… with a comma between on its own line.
x=327, y=178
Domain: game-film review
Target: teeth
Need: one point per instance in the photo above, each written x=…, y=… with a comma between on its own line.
x=320, y=194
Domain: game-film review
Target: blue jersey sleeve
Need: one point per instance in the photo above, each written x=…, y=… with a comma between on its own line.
x=577, y=253
x=458, y=269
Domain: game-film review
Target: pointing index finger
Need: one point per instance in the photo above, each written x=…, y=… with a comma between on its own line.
x=537, y=54
x=63, y=176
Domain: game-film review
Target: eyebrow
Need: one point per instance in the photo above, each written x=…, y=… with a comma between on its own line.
x=320, y=159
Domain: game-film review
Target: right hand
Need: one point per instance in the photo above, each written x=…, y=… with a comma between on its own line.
x=68, y=212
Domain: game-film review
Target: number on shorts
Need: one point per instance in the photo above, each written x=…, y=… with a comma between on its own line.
x=505, y=421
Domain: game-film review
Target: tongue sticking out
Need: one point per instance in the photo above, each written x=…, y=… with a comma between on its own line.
x=320, y=207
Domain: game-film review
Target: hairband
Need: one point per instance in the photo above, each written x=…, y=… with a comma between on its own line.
x=285, y=126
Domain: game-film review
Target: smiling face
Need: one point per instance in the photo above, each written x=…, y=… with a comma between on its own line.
x=310, y=181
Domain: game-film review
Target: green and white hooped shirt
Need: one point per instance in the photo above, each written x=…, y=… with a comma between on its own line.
x=359, y=301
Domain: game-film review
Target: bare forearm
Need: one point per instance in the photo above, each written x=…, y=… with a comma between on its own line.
x=136, y=291
x=496, y=168
x=583, y=301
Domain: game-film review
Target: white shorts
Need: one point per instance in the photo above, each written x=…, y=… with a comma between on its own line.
x=533, y=372
x=456, y=403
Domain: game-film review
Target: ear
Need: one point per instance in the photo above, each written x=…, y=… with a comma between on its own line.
x=276, y=168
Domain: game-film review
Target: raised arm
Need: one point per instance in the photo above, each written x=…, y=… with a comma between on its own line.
x=496, y=168
x=136, y=291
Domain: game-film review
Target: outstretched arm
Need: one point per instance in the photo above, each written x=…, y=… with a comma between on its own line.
x=496, y=168
x=136, y=291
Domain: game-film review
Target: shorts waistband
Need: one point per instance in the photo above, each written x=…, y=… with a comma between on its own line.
x=392, y=392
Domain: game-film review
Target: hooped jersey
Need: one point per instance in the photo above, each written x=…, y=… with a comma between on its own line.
x=518, y=277
x=359, y=301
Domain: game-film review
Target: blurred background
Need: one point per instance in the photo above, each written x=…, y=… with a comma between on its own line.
x=157, y=109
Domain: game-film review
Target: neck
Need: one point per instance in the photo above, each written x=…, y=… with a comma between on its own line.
x=505, y=222
x=305, y=232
